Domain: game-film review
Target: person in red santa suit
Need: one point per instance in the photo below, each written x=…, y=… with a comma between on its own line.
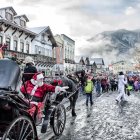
x=35, y=89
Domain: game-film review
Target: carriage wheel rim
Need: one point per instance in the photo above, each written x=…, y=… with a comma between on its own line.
x=25, y=127
x=59, y=122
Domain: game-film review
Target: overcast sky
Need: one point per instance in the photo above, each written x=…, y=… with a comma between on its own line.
x=79, y=19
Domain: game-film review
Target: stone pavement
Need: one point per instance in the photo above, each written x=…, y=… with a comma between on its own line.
x=104, y=121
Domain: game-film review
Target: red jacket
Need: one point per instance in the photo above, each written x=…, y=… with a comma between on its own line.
x=40, y=91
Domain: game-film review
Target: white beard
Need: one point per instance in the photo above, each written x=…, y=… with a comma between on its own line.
x=40, y=84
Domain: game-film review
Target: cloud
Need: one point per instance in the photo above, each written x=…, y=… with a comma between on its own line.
x=130, y=11
x=80, y=20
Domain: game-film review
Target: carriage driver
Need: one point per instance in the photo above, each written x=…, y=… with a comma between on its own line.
x=36, y=89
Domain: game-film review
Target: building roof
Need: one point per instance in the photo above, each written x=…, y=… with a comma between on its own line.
x=11, y=8
x=16, y=26
x=38, y=30
x=68, y=37
x=98, y=61
x=82, y=61
x=19, y=16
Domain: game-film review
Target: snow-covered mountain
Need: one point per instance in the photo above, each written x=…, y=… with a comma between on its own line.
x=119, y=43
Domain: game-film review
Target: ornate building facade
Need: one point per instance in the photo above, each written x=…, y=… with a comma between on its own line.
x=37, y=42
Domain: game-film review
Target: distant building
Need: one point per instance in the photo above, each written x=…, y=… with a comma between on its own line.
x=58, y=53
x=69, y=53
x=100, y=64
x=124, y=66
x=87, y=64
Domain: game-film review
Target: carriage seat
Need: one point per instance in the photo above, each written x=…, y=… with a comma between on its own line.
x=9, y=74
x=27, y=76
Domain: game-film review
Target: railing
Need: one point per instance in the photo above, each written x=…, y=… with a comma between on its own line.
x=69, y=61
x=37, y=57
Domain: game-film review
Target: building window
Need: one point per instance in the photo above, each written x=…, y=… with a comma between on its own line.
x=9, y=16
x=27, y=48
x=21, y=46
x=8, y=43
x=36, y=49
x=22, y=23
x=15, y=45
x=43, y=37
x=1, y=39
x=46, y=52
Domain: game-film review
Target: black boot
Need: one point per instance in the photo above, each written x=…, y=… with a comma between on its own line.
x=44, y=126
x=73, y=113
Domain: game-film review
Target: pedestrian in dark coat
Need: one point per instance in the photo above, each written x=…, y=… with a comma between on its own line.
x=29, y=68
x=81, y=75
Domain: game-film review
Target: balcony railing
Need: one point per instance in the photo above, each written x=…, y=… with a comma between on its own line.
x=69, y=61
x=37, y=57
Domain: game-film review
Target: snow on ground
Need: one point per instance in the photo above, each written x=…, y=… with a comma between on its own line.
x=104, y=120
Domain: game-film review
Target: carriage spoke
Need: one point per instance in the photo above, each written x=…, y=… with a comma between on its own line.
x=28, y=134
x=61, y=127
x=26, y=130
x=14, y=133
x=59, y=120
x=21, y=130
x=23, y=135
x=10, y=138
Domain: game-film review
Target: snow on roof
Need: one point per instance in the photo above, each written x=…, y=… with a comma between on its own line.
x=11, y=8
x=22, y=16
x=38, y=30
x=98, y=61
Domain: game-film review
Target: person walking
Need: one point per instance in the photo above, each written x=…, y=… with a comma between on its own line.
x=121, y=87
x=88, y=90
x=98, y=87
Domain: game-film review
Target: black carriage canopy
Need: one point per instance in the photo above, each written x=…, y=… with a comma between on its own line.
x=9, y=74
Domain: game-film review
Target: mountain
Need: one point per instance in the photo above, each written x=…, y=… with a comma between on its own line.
x=122, y=41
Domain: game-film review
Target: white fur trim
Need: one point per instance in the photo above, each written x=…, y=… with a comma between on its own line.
x=34, y=90
x=40, y=76
x=34, y=82
x=57, y=89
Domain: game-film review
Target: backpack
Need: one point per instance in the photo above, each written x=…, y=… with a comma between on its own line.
x=89, y=86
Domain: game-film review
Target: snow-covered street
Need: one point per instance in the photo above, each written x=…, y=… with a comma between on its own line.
x=104, y=120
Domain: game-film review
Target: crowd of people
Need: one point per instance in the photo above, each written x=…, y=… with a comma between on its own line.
x=80, y=82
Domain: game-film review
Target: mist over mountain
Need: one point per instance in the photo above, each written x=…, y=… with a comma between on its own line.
x=114, y=45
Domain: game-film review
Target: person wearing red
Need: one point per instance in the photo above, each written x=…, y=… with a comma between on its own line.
x=35, y=89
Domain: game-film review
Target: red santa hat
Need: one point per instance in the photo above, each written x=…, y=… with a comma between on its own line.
x=36, y=77
x=35, y=81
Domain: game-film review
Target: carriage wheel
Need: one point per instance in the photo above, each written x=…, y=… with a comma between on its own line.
x=21, y=128
x=59, y=119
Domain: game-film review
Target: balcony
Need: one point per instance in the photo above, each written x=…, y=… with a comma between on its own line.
x=39, y=59
x=69, y=61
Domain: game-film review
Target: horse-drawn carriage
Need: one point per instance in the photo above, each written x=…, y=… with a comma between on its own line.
x=19, y=116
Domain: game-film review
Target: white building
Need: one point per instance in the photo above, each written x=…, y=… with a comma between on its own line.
x=15, y=34
x=43, y=44
x=37, y=42
x=123, y=66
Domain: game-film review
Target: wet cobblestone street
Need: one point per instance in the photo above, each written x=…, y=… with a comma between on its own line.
x=104, y=120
